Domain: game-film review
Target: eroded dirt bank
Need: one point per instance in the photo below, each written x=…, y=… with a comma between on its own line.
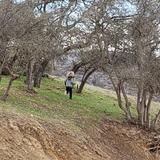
x=31, y=139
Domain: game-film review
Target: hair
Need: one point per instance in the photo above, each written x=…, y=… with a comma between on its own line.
x=69, y=77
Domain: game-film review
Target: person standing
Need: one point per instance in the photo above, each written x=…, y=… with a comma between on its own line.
x=69, y=85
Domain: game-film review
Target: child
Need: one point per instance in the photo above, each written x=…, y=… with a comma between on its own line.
x=69, y=85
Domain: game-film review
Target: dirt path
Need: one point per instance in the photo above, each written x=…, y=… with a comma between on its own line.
x=30, y=139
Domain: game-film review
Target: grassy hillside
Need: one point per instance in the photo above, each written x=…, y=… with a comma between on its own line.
x=50, y=102
x=48, y=124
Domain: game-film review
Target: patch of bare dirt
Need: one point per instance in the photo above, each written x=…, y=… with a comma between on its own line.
x=24, y=139
x=110, y=141
x=31, y=139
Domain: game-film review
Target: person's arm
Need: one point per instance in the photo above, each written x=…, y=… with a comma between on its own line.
x=72, y=83
x=65, y=82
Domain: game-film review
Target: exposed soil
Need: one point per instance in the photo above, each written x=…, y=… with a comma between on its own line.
x=32, y=139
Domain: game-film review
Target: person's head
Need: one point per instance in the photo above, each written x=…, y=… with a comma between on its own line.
x=69, y=77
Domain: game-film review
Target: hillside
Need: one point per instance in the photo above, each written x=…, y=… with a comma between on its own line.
x=46, y=125
x=50, y=102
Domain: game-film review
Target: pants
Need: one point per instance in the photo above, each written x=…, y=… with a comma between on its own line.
x=69, y=90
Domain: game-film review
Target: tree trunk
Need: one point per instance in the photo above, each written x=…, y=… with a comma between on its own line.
x=27, y=74
x=29, y=79
x=77, y=66
x=156, y=124
x=37, y=79
x=143, y=107
x=118, y=89
x=39, y=73
x=138, y=104
x=127, y=103
x=120, y=103
x=84, y=79
x=1, y=68
x=119, y=98
x=146, y=110
x=5, y=95
x=13, y=77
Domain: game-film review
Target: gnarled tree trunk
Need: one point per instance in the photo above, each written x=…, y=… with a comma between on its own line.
x=12, y=78
x=77, y=66
x=127, y=103
x=39, y=73
x=86, y=75
x=156, y=124
x=120, y=90
x=143, y=107
x=30, y=75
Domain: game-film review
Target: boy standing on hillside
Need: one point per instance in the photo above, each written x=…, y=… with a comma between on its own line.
x=69, y=85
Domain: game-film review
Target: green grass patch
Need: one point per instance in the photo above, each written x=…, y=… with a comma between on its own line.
x=50, y=101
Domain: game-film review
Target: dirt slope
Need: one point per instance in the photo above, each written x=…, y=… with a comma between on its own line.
x=23, y=139
x=30, y=139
